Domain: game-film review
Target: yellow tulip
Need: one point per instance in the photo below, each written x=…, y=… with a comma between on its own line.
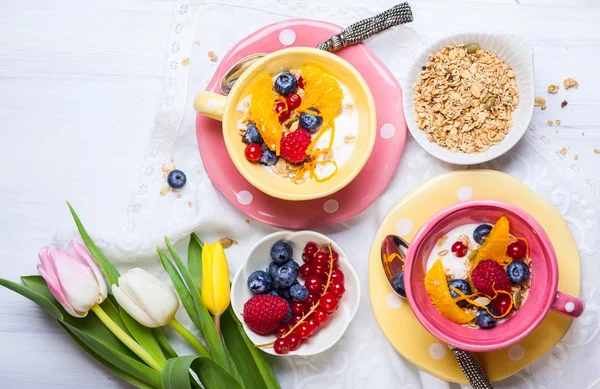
x=215, y=279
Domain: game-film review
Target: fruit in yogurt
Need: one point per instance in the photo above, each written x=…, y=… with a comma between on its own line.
x=489, y=276
x=436, y=286
x=481, y=232
x=294, y=145
x=518, y=272
x=494, y=246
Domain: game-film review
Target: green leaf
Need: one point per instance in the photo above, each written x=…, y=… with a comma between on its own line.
x=195, y=259
x=176, y=374
x=115, y=370
x=111, y=272
x=164, y=344
x=249, y=360
x=34, y=296
x=145, y=337
x=133, y=366
x=235, y=372
x=111, y=308
x=204, y=320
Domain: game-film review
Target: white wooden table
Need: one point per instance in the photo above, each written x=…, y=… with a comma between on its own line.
x=79, y=86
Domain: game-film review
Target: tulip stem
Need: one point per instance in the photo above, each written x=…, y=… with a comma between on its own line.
x=190, y=338
x=218, y=325
x=126, y=339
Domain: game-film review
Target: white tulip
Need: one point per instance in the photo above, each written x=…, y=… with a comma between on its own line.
x=145, y=298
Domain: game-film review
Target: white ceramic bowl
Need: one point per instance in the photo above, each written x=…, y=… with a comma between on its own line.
x=517, y=52
x=259, y=258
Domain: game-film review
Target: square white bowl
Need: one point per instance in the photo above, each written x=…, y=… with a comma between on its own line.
x=517, y=52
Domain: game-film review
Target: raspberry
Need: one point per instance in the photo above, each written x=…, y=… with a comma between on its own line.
x=263, y=313
x=293, y=146
x=489, y=273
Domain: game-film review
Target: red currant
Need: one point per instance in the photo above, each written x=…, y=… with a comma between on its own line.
x=293, y=101
x=295, y=319
x=517, y=250
x=253, y=152
x=281, y=346
x=337, y=276
x=322, y=259
x=298, y=308
x=314, y=284
x=459, y=249
x=337, y=289
x=311, y=249
x=280, y=107
x=321, y=316
x=294, y=341
x=502, y=303
x=307, y=258
x=313, y=298
x=329, y=302
x=320, y=271
x=303, y=330
x=284, y=113
x=305, y=271
x=301, y=82
x=314, y=325
x=281, y=329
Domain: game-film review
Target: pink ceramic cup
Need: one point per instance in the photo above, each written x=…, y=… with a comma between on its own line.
x=543, y=295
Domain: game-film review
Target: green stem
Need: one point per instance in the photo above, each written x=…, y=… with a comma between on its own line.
x=218, y=325
x=126, y=339
x=190, y=338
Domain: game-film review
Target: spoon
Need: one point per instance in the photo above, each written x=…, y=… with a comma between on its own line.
x=393, y=254
x=351, y=35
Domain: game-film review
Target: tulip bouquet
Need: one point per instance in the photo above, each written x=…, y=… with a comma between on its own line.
x=123, y=331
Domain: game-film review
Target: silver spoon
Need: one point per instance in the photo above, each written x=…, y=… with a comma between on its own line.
x=351, y=35
x=394, y=275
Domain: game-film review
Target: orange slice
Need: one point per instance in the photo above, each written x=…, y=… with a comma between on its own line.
x=263, y=113
x=436, y=286
x=495, y=245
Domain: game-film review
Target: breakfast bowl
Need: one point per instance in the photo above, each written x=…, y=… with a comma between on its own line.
x=464, y=122
x=283, y=102
x=260, y=258
x=542, y=294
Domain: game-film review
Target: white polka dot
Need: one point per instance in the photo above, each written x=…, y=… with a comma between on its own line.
x=464, y=193
x=211, y=104
x=331, y=206
x=393, y=300
x=516, y=352
x=287, y=37
x=244, y=197
x=569, y=307
x=437, y=351
x=387, y=131
x=404, y=227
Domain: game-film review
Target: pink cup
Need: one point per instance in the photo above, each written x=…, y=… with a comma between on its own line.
x=543, y=294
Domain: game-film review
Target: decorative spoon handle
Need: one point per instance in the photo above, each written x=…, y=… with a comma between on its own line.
x=359, y=31
x=472, y=369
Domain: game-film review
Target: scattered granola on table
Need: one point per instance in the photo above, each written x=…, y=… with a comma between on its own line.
x=540, y=102
x=553, y=88
x=549, y=122
x=596, y=151
x=563, y=151
x=464, y=98
x=185, y=61
x=576, y=157
x=557, y=122
x=570, y=83
x=564, y=103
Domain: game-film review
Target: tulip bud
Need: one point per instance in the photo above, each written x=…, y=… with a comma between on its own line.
x=73, y=278
x=215, y=279
x=146, y=298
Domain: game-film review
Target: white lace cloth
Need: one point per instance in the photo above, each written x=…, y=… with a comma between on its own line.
x=363, y=358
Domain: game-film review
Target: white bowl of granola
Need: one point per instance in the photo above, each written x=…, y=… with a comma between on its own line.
x=470, y=96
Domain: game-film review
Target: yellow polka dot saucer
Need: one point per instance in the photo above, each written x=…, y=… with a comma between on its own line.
x=395, y=316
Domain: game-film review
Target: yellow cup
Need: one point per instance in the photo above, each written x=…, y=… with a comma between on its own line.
x=225, y=109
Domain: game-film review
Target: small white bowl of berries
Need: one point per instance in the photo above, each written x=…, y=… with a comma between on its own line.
x=296, y=293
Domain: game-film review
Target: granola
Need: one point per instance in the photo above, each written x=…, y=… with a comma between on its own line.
x=540, y=102
x=570, y=83
x=553, y=88
x=464, y=102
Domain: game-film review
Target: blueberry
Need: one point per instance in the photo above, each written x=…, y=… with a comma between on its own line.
x=252, y=135
x=481, y=232
x=272, y=269
x=518, y=272
x=176, y=179
x=293, y=264
x=299, y=292
x=281, y=252
x=268, y=157
x=309, y=121
x=461, y=285
x=398, y=284
x=259, y=282
x=274, y=292
x=286, y=83
x=285, y=277
x=284, y=293
x=289, y=314
x=484, y=319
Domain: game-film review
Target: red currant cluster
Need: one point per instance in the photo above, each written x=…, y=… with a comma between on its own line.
x=325, y=283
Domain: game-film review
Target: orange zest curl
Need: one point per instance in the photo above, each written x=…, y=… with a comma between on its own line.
x=468, y=298
x=262, y=112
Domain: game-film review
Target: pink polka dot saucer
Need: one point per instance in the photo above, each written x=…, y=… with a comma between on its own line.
x=343, y=204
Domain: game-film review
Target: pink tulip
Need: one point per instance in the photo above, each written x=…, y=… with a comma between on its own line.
x=73, y=278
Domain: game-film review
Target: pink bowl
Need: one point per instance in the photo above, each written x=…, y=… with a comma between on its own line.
x=543, y=294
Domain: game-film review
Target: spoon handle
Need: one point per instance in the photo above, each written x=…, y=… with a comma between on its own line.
x=471, y=368
x=359, y=31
